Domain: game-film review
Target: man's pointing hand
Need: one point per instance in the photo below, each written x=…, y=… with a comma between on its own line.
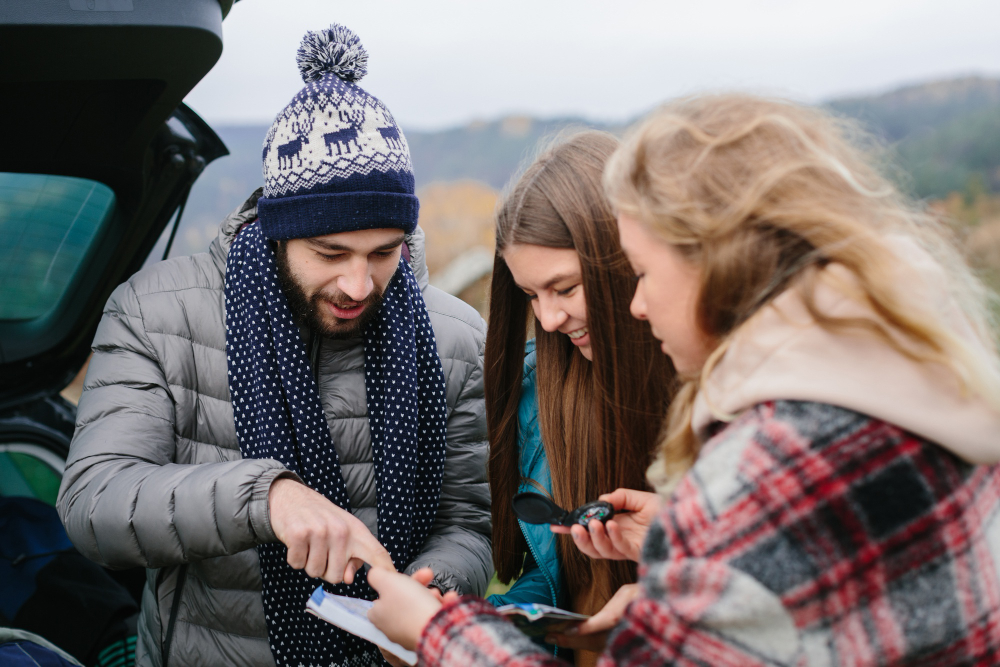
x=326, y=540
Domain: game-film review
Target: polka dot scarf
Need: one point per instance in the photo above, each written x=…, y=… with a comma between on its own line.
x=278, y=415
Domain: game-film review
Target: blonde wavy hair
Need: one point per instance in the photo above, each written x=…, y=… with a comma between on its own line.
x=762, y=193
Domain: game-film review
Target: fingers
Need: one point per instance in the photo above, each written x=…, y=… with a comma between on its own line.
x=326, y=553
x=599, y=622
x=612, y=612
x=321, y=563
x=324, y=539
x=616, y=498
x=621, y=543
x=594, y=541
x=353, y=565
x=404, y=606
x=334, y=550
x=305, y=552
x=581, y=538
x=424, y=576
x=351, y=545
x=346, y=560
x=370, y=550
x=599, y=538
x=593, y=633
x=298, y=552
x=450, y=597
x=559, y=529
x=380, y=577
x=387, y=579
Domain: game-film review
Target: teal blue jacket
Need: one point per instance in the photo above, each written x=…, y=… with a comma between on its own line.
x=542, y=579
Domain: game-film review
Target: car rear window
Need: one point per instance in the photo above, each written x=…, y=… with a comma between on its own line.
x=47, y=225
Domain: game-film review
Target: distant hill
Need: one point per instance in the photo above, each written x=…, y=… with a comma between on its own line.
x=490, y=152
x=944, y=135
x=913, y=112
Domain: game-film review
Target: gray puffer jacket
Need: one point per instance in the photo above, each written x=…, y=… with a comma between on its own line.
x=155, y=477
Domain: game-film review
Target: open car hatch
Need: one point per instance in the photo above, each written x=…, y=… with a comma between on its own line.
x=98, y=154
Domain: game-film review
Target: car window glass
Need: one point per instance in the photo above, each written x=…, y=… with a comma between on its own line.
x=47, y=225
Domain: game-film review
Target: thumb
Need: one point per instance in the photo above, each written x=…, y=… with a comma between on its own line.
x=616, y=498
x=627, y=499
x=603, y=620
x=612, y=612
x=424, y=576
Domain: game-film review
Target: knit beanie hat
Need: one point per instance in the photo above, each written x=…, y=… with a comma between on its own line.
x=334, y=158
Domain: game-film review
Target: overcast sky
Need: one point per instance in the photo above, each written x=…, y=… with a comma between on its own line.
x=439, y=63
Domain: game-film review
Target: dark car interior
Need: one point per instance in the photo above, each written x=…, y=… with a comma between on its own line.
x=99, y=156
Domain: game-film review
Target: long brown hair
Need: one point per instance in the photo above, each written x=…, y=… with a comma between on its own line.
x=599, y=420
x=761, y=195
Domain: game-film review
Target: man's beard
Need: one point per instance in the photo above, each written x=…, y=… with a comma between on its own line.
x=309, y=309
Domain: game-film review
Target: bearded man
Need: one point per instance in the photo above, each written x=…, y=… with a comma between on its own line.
x=292, y=404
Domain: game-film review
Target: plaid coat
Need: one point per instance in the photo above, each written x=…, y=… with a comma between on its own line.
x=805, y=534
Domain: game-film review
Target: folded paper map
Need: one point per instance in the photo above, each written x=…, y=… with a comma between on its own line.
x=351, y=614
x=538, y=620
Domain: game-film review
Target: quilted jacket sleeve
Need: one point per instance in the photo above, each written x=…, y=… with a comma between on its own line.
x=458, y=548
x=124, y=500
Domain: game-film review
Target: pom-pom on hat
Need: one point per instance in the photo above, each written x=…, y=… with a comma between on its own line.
x=334, y=158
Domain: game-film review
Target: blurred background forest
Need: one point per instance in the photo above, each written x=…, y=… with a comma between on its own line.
x=943, y=142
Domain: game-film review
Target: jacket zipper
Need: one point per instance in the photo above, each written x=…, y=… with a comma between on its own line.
x=548, y=580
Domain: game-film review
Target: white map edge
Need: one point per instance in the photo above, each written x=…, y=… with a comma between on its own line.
x=332, y=610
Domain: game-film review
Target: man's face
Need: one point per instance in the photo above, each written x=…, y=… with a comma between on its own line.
x=334, y=283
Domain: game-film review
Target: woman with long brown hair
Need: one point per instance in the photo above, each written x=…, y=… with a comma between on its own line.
x=579, y=415
x=830, y=462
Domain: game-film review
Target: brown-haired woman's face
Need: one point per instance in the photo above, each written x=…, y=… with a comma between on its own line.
x=666, y=294
x=553, y=281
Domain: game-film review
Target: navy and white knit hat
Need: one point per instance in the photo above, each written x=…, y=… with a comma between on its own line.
x=334, y=158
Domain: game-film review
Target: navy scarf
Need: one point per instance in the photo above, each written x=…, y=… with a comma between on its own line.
x=278, y=415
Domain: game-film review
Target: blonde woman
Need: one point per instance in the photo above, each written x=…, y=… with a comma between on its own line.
x=829, y=463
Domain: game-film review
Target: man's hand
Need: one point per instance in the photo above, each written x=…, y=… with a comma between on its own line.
x=622, y=537
x=404, y=605
x=326, y=540
x=592, y=634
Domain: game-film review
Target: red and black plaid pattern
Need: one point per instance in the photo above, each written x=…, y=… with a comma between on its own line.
x=805, y=534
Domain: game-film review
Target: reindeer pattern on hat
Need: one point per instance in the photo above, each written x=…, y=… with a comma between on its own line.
x=331, y=131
